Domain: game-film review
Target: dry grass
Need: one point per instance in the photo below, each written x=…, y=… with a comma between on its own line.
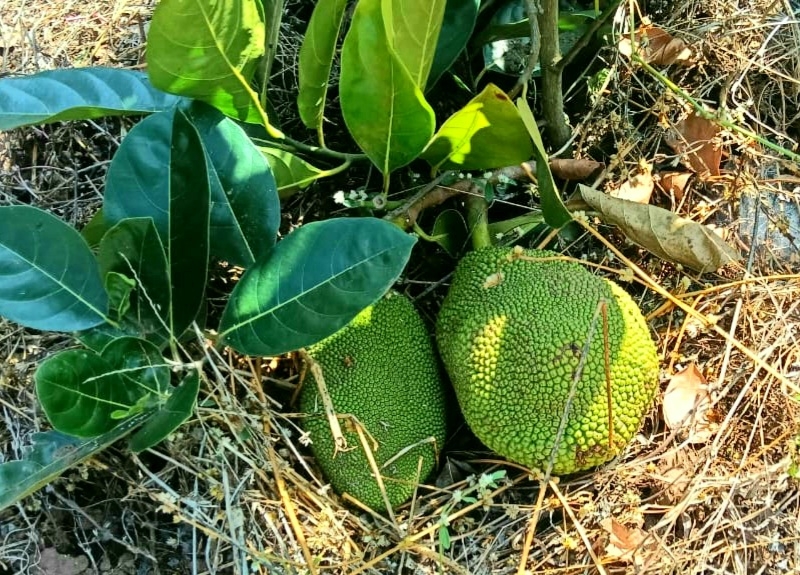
x=235, y=491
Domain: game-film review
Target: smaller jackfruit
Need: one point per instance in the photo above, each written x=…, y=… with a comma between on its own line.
x=516, y=331
x=382, y=369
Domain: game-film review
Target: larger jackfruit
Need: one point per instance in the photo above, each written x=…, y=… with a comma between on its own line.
x=523, y=337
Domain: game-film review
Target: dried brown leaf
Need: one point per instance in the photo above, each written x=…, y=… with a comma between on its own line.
x=665, y=234
x=574, y=169
x=675, y=183
x=657, y=46
x=624, y=543
x=696, y=138
x=639, y=187
x=686, y=404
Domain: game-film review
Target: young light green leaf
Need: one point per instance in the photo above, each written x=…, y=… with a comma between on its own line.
x=555, y=212
x=49, y=278
x=50, y=454
x=119, y=288
x=383, y=108
x=457, y=26
x=78, y=94
x=486, y=133
x=291, y=173
x=313, y=283
x=160, y=172
x=177, y=409
x=245, y=208
x=208, y=50
x=412, y=30
x=315, y=60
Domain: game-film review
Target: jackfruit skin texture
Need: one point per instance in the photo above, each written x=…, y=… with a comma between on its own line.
x=511, y=333
x=381, y=368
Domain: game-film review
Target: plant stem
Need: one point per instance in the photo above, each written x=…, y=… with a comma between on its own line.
x=478, y=221
x=273, y=10
x=291, y=145
x=552, y=97
x=535, y=44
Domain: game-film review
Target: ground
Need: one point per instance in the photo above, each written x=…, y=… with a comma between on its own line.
x=236, y=491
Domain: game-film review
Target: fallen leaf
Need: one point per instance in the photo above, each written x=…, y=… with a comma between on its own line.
x=665, y=234
x=657, y=46
x=686, y=404
x=696, y=138
x=639, y=187
x=574, y=168
x=624, y=543
x=674, y=184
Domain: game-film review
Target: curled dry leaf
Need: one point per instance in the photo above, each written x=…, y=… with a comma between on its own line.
x=697, y=138
x=624, y=543
x=665, y=234
x=686, y=405
x=574, y=169
x=657, y=46
x=674, y=184
x=639, y=187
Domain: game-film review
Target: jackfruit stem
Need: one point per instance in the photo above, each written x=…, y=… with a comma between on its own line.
x=478, y=222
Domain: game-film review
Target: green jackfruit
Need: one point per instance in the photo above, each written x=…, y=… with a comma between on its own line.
x=382, y=369
x=512, y=333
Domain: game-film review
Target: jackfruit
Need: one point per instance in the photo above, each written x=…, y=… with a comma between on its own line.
x=527, y=345
x=381, y=372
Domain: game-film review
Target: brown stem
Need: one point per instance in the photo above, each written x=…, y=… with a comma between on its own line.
x=552, y=97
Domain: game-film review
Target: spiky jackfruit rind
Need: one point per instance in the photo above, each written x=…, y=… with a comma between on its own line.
x=512, y=332
x=383, y=370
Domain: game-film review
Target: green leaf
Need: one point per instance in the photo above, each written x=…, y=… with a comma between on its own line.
x=412, y=30
x=313, y=283
x=119, y=288
x=78, y=390
x=78, y=94
x=94, y=231
x=208, y=50
x=291, y=173
x=384, y=109
x=48, y=276
x=160, y=172
x=140, y=364
x=450, y=232
x=245, y=208
x=50, y=454
x=177, y=409
x=315, y=59
x=553, y=209
x=457, y=26
x=486, y=133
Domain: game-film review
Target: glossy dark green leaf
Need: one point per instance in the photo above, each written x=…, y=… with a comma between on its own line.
x=457, y=26
x=315, y=60
x=78, y=94
x=208, y=50
x=412, y=30
x=177, y=409
x=486, y=133
x=160, y=172
x=78, y=391
x=313, y=283
x=133, y=248
x=119, y=288
x=49, y=278
x=450, y=231
x=291, y=172
x=245, y=208
x=384, y=109
x=555, y=212
x=95, y=229
x=50, y=454
x=140, y=364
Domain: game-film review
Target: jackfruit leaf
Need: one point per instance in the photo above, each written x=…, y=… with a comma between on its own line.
x=383, y=108
x=657, y=46
x=412, y=30
x=574, y=168
x=133, y=248
x=450, y=231
x=554, y=211
x=208, y=50
x=119, y=288
x=313, y=283
x=78, y=94
x=95, y=229
x=663, y=233
x=291, y=173
x=686, y=404
x=639, y=185
x=626, y=544
x=160, y=172
x=50, y=454
x=315, y=60
x=486, y=133
x=696, y=139
x=170, y=416
x=457, y=26
x=80, y=390
x=49, y=279
x=245, y=209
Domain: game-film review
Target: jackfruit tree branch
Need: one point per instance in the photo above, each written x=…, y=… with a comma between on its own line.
x=478, y=221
